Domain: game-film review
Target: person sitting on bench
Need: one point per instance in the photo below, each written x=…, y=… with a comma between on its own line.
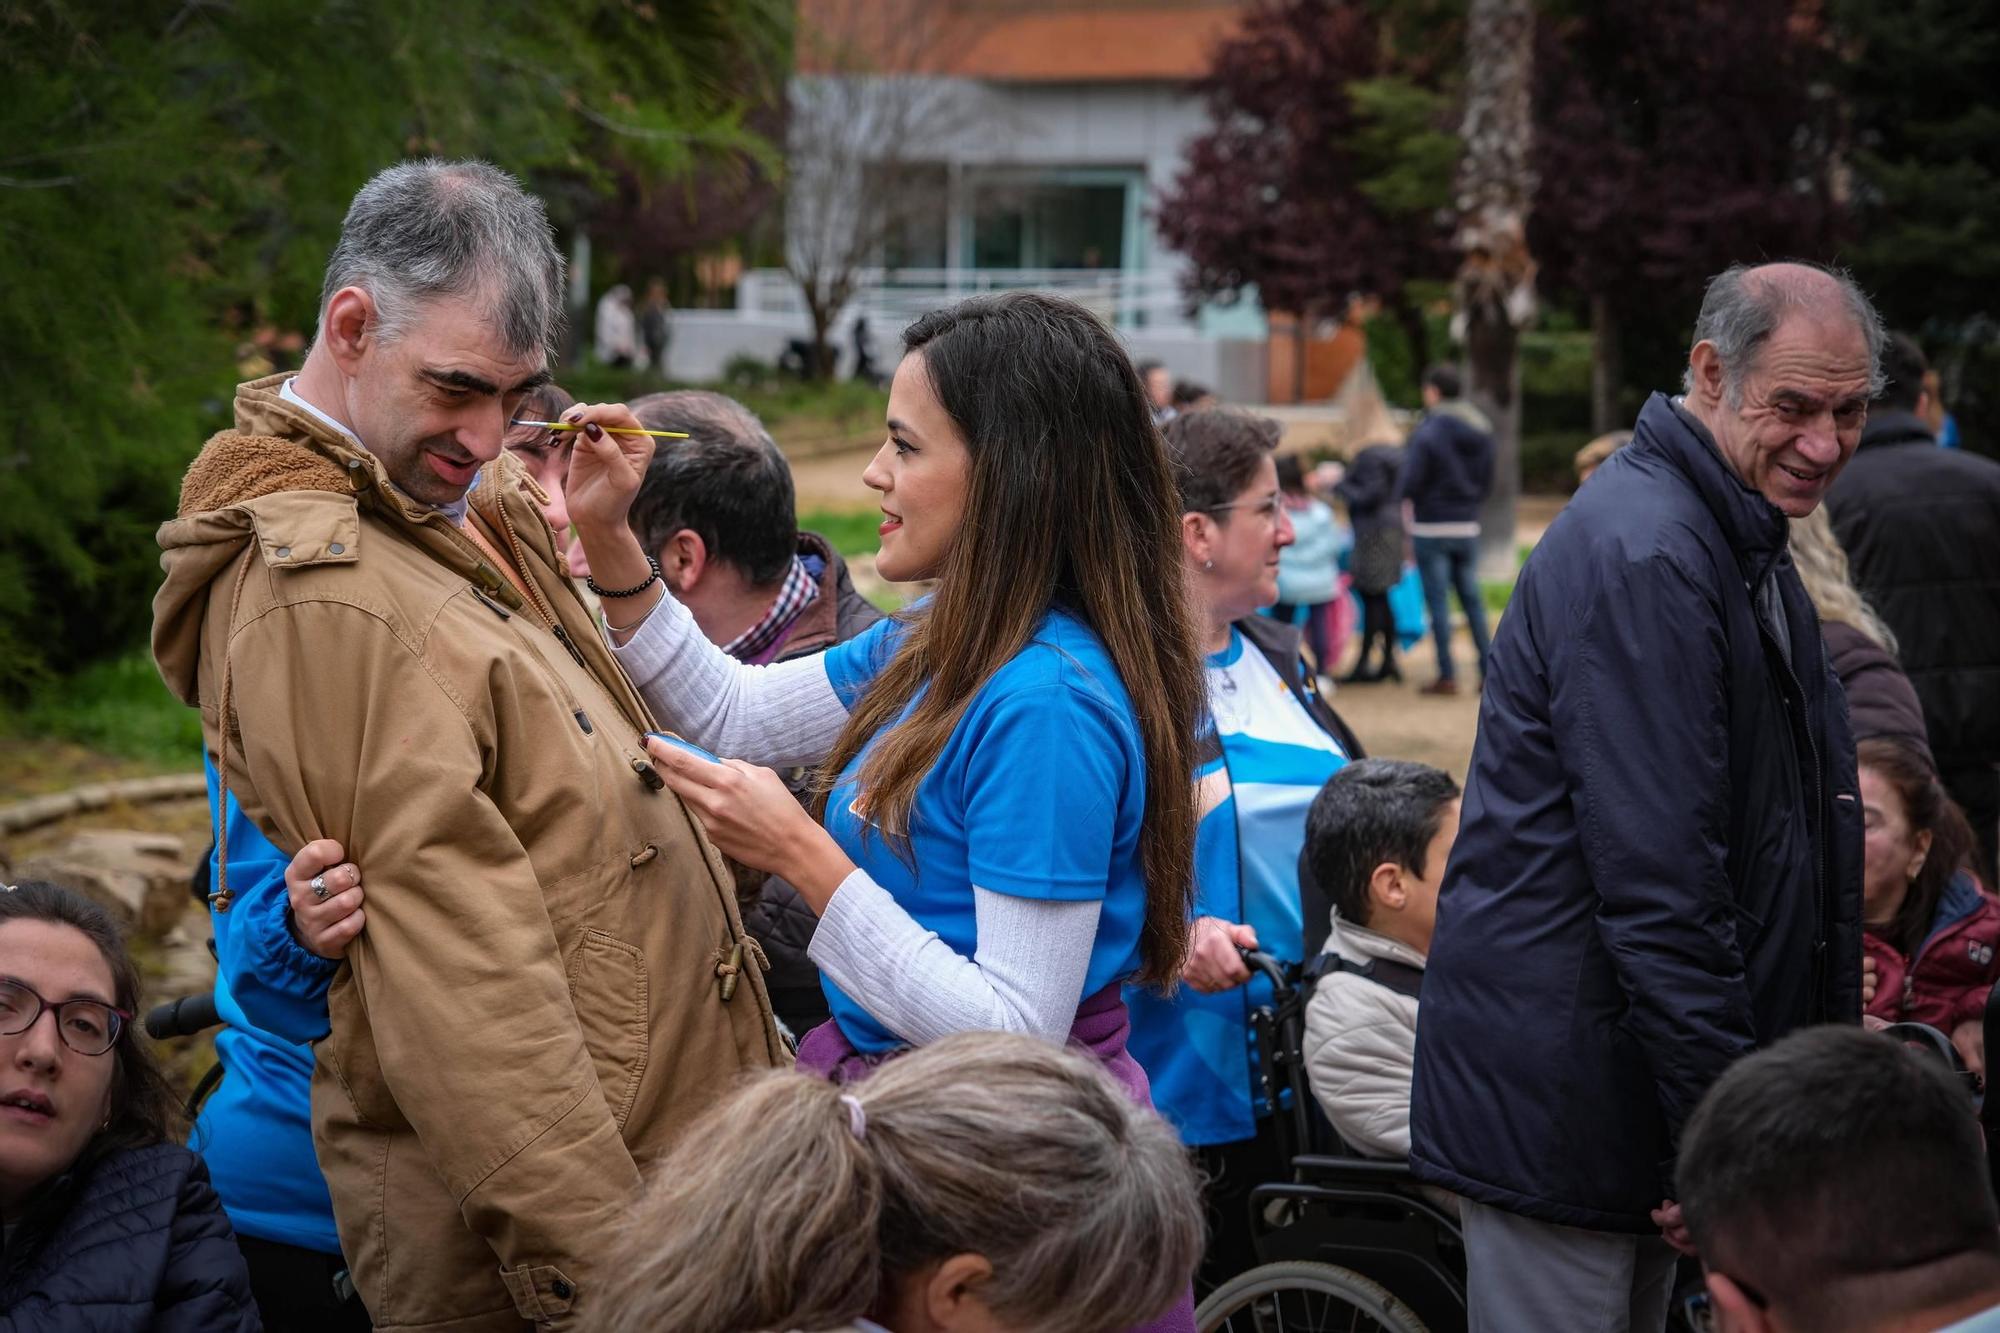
x=1377, y=840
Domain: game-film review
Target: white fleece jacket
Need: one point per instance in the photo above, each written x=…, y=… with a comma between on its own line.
x=1361, y=1045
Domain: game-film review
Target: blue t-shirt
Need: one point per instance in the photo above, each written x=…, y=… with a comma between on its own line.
x=1039, y=793
x=1253, y=797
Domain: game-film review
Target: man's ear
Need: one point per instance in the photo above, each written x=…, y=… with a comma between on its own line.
x=349, y=329
x=953, y=1296
x=1706, y=362
x=683, y=560
x=1386, y=888
x=1734, y=1311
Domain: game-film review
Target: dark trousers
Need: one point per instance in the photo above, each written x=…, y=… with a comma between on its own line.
x=1231, y=1171
x=1377, y=622
x=1287, y=613
x=1452, y=563
x=1977, y=791
x=295, y=1289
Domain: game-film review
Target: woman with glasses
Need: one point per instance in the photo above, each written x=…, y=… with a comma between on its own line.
x=1272, y=744
x=109, y=1224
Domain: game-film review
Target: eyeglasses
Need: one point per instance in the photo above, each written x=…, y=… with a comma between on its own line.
x=1266, y=508
x=88, y=1027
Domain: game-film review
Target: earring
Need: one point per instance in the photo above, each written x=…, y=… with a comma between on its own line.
x=1208, y=564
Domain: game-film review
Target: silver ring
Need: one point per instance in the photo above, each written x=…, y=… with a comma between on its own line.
x=318, y=886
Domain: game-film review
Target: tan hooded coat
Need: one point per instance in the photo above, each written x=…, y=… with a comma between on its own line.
x=545, y=992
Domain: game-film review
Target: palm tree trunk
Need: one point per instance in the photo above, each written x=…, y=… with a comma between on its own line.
x=1495, y=288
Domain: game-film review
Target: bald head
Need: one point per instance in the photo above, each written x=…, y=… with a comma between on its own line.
x=1746, y=304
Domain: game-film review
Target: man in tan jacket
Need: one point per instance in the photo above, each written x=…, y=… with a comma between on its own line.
x=365, y=603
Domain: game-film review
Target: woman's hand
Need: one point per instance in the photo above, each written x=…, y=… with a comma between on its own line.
x=605, y=469
x=325, y=919
x=1868, y=978
x=753, y=818
x=1214, y=963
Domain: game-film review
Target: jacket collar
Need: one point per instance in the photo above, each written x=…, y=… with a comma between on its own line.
x=1359, y=944
x=1754, y=527
x=1895, y=426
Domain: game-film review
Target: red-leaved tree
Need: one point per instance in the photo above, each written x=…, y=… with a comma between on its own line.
x=1288, y=192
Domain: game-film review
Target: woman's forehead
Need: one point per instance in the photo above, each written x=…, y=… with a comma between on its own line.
x=59, y=961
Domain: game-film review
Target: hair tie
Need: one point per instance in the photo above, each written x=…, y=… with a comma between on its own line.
x=857, y=1119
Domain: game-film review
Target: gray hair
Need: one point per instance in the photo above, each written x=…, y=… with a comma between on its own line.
x=1745, y=303
x=426, y=229
x=791, y=1204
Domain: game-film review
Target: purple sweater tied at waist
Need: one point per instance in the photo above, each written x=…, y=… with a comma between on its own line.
x=1101, y=1028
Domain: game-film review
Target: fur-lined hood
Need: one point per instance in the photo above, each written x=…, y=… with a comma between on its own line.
x=297, y=487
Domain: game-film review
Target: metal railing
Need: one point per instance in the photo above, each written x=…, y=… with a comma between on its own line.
x=889, y=298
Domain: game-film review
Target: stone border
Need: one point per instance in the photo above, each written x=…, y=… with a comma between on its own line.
x=37, y=811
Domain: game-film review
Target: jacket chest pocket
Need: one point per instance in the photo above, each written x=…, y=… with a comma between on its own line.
x=608, y=988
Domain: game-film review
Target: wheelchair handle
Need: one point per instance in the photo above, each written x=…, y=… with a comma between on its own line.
x=183, y=1017
x=1273, y=970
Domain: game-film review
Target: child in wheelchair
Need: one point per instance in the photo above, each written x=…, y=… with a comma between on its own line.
x=1377, y=840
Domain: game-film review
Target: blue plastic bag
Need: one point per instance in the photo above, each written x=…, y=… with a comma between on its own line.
x=1406, y=604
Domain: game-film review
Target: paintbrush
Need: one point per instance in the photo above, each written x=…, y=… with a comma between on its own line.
x=609, y=430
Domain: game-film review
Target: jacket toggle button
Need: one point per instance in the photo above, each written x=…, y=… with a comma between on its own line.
x=648, y=774
x=645, y=855
x=729, y=970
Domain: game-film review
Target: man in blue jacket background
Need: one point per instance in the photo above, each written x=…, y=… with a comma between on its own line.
x=1447, y=472
x=1659, y=867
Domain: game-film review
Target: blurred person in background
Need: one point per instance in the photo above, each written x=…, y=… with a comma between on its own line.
x=1308, y=569
x=1447, y=472
x=1921, y=528
x=617, y=329
x=656, y=326
x=1369, y=487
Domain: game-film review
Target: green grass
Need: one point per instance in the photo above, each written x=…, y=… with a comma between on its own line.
x=120, y=708
x=852, y=532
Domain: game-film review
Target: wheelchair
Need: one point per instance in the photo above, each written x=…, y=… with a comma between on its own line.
x=1347, y=1242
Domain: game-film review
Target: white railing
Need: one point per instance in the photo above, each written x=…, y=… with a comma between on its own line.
x=890, y=298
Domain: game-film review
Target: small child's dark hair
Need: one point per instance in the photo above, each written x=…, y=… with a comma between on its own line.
x=1373, y=811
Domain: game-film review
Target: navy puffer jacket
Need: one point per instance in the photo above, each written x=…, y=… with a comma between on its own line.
x=1659, y=866
x=135, y=1242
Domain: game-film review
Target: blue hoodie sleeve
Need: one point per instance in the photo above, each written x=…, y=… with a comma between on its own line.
x=274, y=982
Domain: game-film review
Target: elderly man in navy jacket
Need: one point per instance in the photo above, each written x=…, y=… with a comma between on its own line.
x=1660, y=863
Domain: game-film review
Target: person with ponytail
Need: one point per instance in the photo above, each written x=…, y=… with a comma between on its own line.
x=986, y=1182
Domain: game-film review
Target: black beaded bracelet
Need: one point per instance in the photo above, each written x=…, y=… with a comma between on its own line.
x=651, y=579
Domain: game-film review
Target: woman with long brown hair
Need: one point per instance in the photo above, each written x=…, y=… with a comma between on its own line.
x=1006, y=821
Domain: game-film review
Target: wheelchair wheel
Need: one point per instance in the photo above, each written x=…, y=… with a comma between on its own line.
x=1298, y=1296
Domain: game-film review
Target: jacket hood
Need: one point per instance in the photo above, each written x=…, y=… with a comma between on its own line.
x=1358, y=944
x=286, y=481
x=1458, y=412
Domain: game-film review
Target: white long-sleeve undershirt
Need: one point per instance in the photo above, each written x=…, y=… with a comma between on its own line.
x=1032, y=955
